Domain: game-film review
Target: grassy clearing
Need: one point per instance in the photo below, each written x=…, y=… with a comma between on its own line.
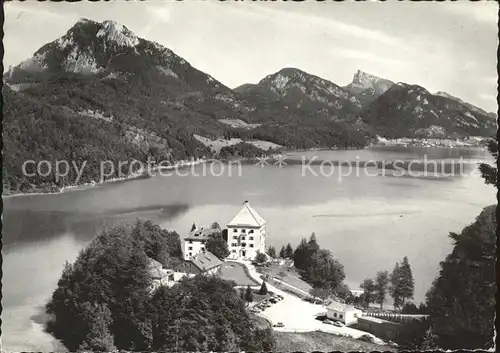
x=324, y=342
x=291, y=276
x=236, y=272
x=217, y=145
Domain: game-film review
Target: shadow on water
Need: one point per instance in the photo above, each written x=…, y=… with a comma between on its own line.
x=24, y=226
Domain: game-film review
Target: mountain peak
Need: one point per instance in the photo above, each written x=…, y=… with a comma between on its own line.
x=116, y=33
x=368, y=84
x=366, y=80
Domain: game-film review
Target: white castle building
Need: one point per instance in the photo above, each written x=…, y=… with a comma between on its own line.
x=246, y=234
x=195, y=242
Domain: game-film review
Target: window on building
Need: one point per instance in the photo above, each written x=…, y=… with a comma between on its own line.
x=243, y=231
x=251, y=245
x=235, y=237
x=235, y=230
x=251, y=238
x=190, y=254
x=190, y=248
x=334, y=314
x=251, y=231
x=243, y=244
x=234, y=250
x=190, y=242
x=341, y=316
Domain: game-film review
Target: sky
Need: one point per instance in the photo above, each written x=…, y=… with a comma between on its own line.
x=442, y=46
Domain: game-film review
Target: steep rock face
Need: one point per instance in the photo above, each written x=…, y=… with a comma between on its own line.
x=367, y=87
x=408, y=110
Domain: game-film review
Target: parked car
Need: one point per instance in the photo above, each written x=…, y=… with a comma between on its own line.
x=280, y=296
x=273, y=301
x=328, y=321
x=338, y=324
x=279, y=324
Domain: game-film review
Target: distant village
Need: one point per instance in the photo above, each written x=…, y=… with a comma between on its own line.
x=469, y=142
x=245, y=236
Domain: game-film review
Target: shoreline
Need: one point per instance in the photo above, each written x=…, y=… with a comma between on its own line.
x=138, y=175
x=183, y=164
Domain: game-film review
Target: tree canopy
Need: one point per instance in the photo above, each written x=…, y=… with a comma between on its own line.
x=461, y=301
x=217, y=245
x=271, y=251
x=381, y=285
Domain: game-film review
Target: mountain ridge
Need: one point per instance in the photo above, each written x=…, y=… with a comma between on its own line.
x=100, y=92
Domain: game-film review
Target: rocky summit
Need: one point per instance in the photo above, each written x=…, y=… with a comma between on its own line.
x=368, y=87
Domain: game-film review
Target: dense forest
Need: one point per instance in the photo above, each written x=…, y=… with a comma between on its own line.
x=461, y=301
x=103, y=301
x=80, y=119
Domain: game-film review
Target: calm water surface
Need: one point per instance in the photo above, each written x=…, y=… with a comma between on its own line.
x=368, y=222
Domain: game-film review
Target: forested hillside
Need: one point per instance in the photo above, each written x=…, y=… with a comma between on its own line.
x=104, y=302
x=101, y=93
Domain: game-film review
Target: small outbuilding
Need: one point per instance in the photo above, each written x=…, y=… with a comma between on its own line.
x=344, y=313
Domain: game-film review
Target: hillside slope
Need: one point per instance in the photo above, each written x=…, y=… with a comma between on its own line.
x=412, y=111
x=101, y=93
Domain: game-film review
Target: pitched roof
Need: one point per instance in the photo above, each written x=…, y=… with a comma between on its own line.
x=152, y=264
x=341, y=307
x=156, y=269
x=200, y=234
x=205, y=261
x=247, y=217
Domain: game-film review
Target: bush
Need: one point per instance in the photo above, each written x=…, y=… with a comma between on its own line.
x=366, y=338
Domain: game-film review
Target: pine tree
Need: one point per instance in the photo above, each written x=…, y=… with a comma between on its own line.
x=263, y=288
x=271, y=251
x=394, y=288
x=289, y=251
x=300, y=255
x=282, y=252
x=406, y=282
x=381, y=284
x=312, y=244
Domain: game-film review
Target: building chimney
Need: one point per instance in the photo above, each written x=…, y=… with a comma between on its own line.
x=246, y=202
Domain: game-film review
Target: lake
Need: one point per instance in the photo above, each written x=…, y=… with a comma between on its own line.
x=368, y=221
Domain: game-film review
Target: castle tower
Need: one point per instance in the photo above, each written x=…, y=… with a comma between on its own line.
x=246, y=234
